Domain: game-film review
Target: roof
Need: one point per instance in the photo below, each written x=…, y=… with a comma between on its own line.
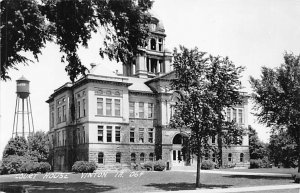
x=23, y=79
x=138, y=84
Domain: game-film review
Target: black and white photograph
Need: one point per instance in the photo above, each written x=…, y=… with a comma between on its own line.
x=183, y=96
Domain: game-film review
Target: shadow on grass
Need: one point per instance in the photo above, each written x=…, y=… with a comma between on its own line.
x=184, y=186
x=41, y=186
x=251, y=177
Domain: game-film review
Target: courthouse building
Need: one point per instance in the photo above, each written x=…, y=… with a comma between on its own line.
x=123, y=118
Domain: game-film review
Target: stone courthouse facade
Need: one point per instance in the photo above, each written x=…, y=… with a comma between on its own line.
x=123, y=118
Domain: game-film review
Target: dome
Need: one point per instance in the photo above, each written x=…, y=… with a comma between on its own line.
x=159, y=26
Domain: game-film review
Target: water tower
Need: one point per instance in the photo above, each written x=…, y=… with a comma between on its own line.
x=24, y=110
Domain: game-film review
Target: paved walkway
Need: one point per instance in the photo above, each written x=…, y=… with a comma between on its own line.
x=235, y=173
x=243, y=189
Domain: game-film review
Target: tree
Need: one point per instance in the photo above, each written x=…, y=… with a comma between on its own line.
x=38, y=146
x=282, y=148
x=28, y=25
x=16, y=146
x=257, y=149
x=205, y=86
x=277, y=97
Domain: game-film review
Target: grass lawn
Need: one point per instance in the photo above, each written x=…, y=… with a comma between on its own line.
x=148, y=181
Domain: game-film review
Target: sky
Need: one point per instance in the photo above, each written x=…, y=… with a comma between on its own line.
x=252, y=33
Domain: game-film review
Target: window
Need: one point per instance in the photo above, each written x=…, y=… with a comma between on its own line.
x=162, y=66
x=131, y=134
x=64, y=115
x=150, y=135
x=108, y=107
x=141, y=135
x=151, y=157
x=78, y=109
x=150, y=110
x=100, y=158
x=228, y=114
x=118, y=157
x=213, y=140
x=83, y=135
x=99, y=106
x=117, y=107
x=132, y=157
x=108, y=133
x=240, y=116
x=213, y=157
x=206, y=157
x=229, y=157
x=118, y=134
x=241, y=157
x=63, y=138
x=141, y=110
x=234, y=115
x=131, y=109
x=174, y=155
x=84, y=107
x=142, y=158
x=160, y=44
x=59, y=115
x=153, y=65
x=152, y=44
x=52, y=119
x=100, y=133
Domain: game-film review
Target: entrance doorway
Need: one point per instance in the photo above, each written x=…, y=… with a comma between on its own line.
x=178, y=156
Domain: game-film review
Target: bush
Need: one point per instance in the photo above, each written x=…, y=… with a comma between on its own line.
x=44, y=167
x=84, y=167
x=34, y=167
x=12, y=164
x=148, y=165
x=207, y=165
x=159, y=165
x=256, y=163
x=30, y=167
x=296, y=177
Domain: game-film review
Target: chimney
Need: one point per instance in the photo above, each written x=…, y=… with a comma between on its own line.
x=92, y=65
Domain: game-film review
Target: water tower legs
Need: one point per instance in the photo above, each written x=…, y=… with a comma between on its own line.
x=25, y=110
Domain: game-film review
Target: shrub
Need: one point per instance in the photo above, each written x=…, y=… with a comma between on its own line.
x=30, y=167
x=134, y=166
x=84, y=167
x=266, y=163
x=207, y=165
x=148, y=165
x=44, y=167
x=256, y=163
x=159, y=165
x=296, y=177
x=12, y=164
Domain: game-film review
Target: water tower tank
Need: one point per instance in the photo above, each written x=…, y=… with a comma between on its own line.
x=23, y=87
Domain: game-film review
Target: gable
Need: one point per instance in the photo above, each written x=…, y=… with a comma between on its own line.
x=161, y=84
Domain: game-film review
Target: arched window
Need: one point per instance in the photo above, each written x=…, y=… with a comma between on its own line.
x=230, y=157
x=100, y=158
x=151, y=157
x=153, y=44
x=241, y=157
x=142, y=157
x=213, y=157
x=118, y=157
x=132, y=156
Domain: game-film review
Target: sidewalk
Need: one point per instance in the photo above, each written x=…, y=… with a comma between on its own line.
x=235, y=173
x=242, y=189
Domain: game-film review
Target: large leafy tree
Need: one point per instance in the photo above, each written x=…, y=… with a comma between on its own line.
x=26, y=26
x=205, y=86
x=257, y=149
x=277, y=97
x=16, y=146
x=38, y=146
x=282, y=148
